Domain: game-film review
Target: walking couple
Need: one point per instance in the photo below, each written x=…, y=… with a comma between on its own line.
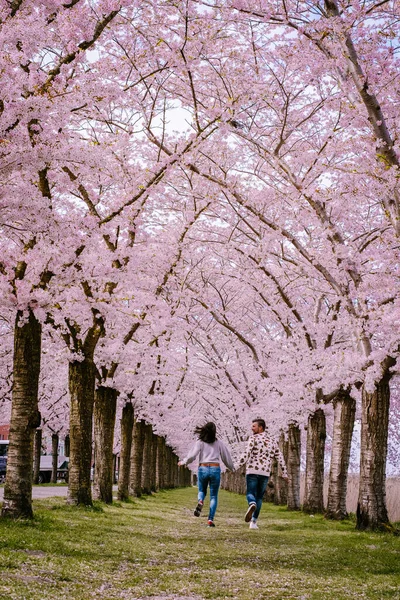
x=258, y=457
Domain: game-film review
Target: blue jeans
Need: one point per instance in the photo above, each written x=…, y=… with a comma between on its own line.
x=209, y=476
x=256, y=486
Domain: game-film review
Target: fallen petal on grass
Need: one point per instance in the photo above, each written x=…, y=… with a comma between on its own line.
x=155, y=549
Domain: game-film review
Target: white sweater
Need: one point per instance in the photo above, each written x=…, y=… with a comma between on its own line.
x=210, y=453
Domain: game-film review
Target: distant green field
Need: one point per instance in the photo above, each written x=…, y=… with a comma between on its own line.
x=155, y=547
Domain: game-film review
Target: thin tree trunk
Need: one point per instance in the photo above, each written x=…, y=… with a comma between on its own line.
x=160, y=463
x=126, y=448
x=67, y=445
x=154, y=439
x=115, y=468
x=314, y=480
x=54, y=454
x=270, y=492
x=371, y=507
x=37, y=453
x=147, y=462
x=81, y=389
x=343, y=425
x=175, y=470
x=135, y=476
x=293, y=467
x=187, y=477
x=166, y=466
x=25, y=417
x=281, y=483
x=105, y=408
x=181, y=476
x=172, y=467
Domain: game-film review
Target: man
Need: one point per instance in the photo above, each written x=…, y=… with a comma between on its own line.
x=259, y=455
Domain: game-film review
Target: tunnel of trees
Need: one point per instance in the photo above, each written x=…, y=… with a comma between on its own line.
x=200, y=219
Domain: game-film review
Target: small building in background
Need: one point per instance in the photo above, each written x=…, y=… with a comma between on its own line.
x=4, y=431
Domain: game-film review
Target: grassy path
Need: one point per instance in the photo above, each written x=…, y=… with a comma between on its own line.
x=154, y=547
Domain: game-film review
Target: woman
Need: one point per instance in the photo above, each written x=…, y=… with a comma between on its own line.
x=210, y=452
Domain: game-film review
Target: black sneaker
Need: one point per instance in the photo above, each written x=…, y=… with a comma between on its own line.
x=250, y=512
x=198, y=508
x=210, y=523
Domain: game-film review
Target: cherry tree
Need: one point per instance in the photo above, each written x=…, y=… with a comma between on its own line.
x=43, y=57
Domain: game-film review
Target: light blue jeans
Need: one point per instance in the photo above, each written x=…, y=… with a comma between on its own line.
x=256, y=486
x=209, y=476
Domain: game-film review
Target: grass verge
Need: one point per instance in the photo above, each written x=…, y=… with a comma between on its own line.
x=155, y=547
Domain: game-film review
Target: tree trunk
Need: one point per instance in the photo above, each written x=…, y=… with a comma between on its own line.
x=293, y=467
x=160, y=463
x=67, y=445
x=281, y=493
x=115, y=468
x=25, y=417
x=343, y=425
x=154, y=439
x=147, y=460
x=181, y=476
x=314, y=480
x=81, y=390
x=270, y=492
x=37, y=453
x=188, y=477
x=126, y=448
x=135, y=476
x=165, y=473
x=54, y=454
x=105, y=408
x=175, y=477
x=167, y=468
x=371, y=507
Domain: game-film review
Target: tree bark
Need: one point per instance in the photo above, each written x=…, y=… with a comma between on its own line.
x=343, y=425
x=135, y=476
x=37, y=453
x=154, y=439
x=314, y=480
x=81, y=389
x=281, y=483
x=105, y=408
x=126, y=448
x=293, y=467
x=115, y=468
x=147, y=460
x=371, y=507
x=54, y=454
x=67, y=445
x=167, y=469
x=175, y=470
x=25, y=417
x=270, y=492
x=160, y=463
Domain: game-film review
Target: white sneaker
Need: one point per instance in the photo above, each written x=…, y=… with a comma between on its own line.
x=250, y=511
x=253, y=525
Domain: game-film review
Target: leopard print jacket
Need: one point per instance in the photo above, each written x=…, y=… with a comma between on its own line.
x=259, y=455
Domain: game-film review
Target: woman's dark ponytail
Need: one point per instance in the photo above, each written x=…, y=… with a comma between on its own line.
x=207, y=433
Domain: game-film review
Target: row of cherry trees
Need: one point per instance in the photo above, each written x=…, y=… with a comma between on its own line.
x=242, y=260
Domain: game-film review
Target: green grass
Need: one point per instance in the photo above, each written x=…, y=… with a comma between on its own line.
x=155, y=547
